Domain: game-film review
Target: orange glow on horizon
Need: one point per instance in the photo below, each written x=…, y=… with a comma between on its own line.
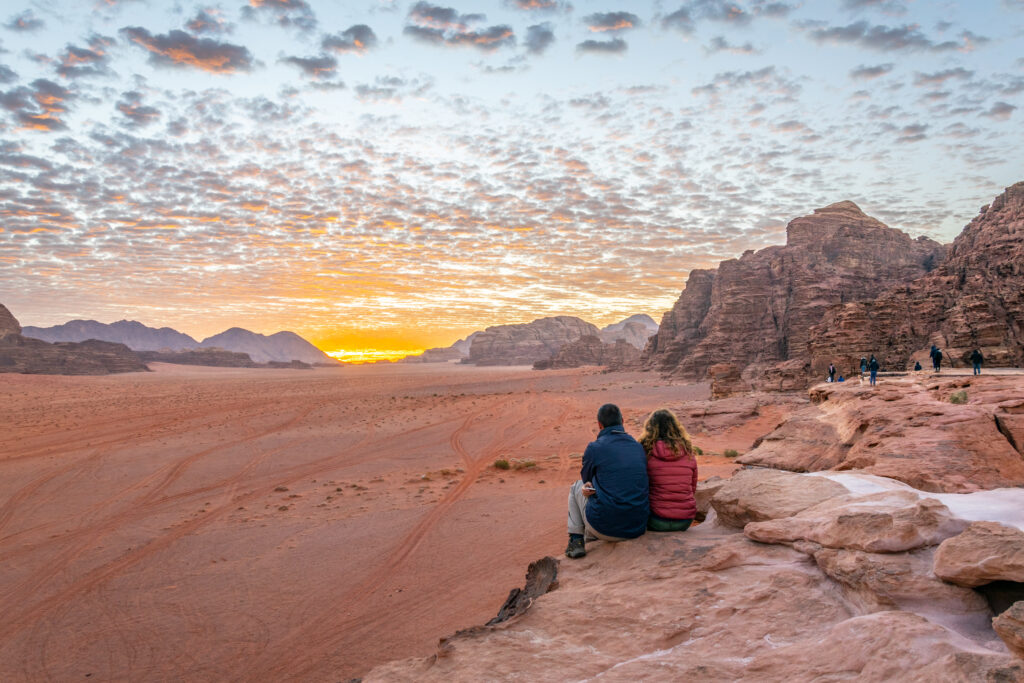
x=360, y=356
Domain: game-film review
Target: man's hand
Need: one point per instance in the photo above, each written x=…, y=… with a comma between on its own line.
x=588, y=489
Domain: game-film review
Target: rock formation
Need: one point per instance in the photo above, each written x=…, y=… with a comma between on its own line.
x=758, y=309
x=280, y=346
x=213, y=357
x=527, y=343
x=635, y=330
x=36, y=357
x=974, y=298
x=908, y=430
x=591, y=350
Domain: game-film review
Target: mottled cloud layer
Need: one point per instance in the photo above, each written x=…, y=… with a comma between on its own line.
x=401, y=174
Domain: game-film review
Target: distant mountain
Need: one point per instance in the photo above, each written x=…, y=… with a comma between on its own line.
x=444, y=354
x=634, y=330
x=282, y=346
x=132, y=334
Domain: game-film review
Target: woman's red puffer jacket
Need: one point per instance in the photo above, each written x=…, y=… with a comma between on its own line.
x=673, y=480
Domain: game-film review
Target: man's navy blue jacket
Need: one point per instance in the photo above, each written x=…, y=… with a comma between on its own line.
x=617, y=465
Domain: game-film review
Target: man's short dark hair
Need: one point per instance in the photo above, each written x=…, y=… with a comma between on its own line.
x=609, y=415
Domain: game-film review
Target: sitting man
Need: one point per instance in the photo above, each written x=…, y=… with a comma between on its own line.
x=612, y=505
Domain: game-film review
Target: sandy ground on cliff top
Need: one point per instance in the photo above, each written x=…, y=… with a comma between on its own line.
x=233, y=524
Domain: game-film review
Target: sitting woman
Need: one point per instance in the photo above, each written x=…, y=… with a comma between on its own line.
x=672, y=471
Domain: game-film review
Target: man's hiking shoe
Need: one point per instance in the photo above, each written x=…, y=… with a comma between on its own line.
x=576, y=549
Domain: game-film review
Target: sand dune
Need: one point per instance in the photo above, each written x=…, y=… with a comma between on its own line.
x=211, y=524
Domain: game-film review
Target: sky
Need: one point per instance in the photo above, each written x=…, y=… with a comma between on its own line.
x=394, y=175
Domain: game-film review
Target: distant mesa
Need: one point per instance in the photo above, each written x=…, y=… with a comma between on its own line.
x=282, y=347
x=216, y=357
x=634, y=330
x=27, y=355
x=527, y=343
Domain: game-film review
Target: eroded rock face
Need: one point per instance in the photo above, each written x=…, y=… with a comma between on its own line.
x=905, y=429
x=974, y=298
x=885, y=522
x=8, y=324
x=757, y=495
x=726, y=380
x=528, y=343
x=759, y=309
x=635, y=331
x=590, y=350
x=985, y=552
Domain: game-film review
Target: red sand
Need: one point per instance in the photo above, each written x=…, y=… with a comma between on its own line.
x=210, y=524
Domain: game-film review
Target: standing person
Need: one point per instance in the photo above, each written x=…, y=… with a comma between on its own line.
x=863, y=365
x=609, y=501
x=831, y=372
x=936, y=355
x=873, y=366
x=671, y=471
x=976, y=360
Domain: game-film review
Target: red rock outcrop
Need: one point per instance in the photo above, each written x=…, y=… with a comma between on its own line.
x=759, y=308
x=36, y=357
x=591, y=350
x=974, y=298
x=527, y=343
x=906, y=429
x=985, y=552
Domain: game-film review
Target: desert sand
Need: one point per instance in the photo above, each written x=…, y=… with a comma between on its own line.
x=237, y=524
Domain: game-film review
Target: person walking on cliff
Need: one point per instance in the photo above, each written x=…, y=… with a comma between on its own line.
x=936, y=355
x=863, y=366
x=976, y=360
x=610, y=500
x=671, y=471
x=873, y=366
x=831, y=372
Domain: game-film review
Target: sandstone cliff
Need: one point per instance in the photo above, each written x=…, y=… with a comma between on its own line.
x=974, y=298
x=527, y=343
x=759, y=309
x=634, y=330
x=591, y=350
x=36, y=357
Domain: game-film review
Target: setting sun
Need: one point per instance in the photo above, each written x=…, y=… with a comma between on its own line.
x=358, y=356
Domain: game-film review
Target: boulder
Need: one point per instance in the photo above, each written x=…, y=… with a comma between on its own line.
x=985, y=552
x=1010, y=627
x=756, y=495
x=726, y=380
x=884, y=522
x=706, y=490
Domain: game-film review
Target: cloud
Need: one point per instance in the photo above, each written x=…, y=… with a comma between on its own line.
x=319, y=67
x=601, y=22
x=78, y=62
x=136, y=114
x=912, y=133
x=1000, y=111
x=38, y=106
x=7, y=74
x=885, y=6
x=208, y=20
x=539, y=38
x=863, y=72
x=940, y=77
x=615, y=46
x=180, y=49
x=539, y=5
x=25, y=21
x=766, y=80
x=884, y=38
x=286, y=13
x=445, y=26
x=356, y=39
x=680, y=20
x=392, y=88
x=720, y=44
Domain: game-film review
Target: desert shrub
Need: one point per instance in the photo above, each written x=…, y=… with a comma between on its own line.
x=524, y=464
x=958, y=397
x=698, y=450
x=730, y=453
x=501, y=464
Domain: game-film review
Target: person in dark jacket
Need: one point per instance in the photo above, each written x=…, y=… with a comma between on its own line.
x=610, y=500
x=671, y=471
x=976, y=360
x=873, y=366
x=936, y=355
x=917, y=366
x=863, y=366
x=831, y=372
